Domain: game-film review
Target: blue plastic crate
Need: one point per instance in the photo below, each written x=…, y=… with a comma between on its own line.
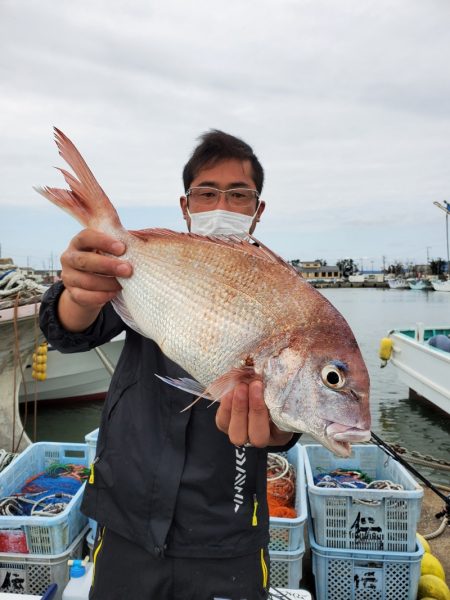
x=44, y=535
x=287, y=535
x=286, y=568
x=364, y=575
x=374, y=519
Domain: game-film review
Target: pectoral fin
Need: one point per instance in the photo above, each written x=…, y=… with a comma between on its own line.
x=215, y=390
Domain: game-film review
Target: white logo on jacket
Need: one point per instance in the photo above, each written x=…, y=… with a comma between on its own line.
x=239, y=479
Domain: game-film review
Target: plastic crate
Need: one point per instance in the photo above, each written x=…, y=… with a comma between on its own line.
x=364, y=575
x=285, y=594
x=38, y=534
x=363, y=519
x=286, y=568
x=91, y=442
x=33, y=573
x=287, y=535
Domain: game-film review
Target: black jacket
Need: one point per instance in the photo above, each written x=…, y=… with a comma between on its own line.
x=166, y=479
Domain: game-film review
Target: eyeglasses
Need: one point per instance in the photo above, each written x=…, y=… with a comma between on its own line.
x=208, y=196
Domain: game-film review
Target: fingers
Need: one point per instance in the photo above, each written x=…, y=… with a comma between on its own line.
x=243, y=415
x=259, y=420
x=90, y=276
x=84, y=254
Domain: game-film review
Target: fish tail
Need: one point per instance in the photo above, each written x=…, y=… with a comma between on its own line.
x=85, y=201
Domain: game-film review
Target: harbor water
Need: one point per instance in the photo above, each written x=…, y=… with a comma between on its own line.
x=371, y=313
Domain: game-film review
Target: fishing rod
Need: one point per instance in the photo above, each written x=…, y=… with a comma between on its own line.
x=393, y=454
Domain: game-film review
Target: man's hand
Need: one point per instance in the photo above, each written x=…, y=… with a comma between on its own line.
x=89, y=277
x=244, y=417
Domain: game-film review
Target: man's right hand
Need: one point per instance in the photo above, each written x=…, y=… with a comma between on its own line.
x=89, y=277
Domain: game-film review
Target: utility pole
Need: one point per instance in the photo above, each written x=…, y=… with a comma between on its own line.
x=428, y=254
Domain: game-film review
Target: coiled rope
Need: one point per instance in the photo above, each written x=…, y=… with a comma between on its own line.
x=280, y=487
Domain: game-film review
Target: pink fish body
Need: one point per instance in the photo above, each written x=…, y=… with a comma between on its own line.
x=228, y=311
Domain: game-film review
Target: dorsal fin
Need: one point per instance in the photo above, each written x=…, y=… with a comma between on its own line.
x=257, y=249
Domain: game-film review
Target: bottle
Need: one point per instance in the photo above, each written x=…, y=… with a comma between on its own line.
x=80, y=580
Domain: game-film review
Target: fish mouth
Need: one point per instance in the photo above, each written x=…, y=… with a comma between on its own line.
x=340, y=436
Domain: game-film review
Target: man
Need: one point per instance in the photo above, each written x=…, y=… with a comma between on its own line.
x=180, y=497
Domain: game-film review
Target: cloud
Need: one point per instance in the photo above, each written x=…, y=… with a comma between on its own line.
x=346, y=104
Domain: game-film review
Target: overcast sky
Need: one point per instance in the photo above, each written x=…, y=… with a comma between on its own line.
x=346, y=103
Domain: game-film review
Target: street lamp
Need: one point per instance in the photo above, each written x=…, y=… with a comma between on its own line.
x=446, y=208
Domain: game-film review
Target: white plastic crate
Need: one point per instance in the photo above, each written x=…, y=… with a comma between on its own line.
x=285, y=594
x=33, y=573
x=44, y=535
x=357, y=518
x=287, y=535
x=91, y=442
x=286, y=568
x=364, y=575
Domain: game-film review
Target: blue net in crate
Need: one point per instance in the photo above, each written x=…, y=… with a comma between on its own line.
x=46, y=493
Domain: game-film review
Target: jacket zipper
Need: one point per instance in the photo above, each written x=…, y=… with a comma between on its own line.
x=92, y=471
x=255, y=509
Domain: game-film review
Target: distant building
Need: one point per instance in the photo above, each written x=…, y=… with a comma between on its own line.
x=315, y=270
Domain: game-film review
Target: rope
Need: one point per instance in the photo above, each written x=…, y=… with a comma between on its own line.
x=13, y=282
x=439, y=530
x=6, y=458
x=280, y=487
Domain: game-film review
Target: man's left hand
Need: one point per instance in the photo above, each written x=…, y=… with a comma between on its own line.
x=244, y=417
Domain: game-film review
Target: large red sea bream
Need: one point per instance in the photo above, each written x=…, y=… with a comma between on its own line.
x=227, y=310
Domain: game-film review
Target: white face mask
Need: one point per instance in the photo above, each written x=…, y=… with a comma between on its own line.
x=221, y=222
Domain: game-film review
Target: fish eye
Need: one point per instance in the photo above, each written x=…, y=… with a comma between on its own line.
x=333, y=377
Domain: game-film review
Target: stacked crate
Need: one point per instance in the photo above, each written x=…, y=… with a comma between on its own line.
x=287, y=536
x=363, y=541
x=35, y=549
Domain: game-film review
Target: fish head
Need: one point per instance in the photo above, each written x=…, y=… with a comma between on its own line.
x=323, y=391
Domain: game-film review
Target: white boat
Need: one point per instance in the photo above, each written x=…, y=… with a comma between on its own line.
x=441, y=286
x=74, y=377
x=425, y=369
x=19, y=336
x=420, y=284
x=397, y=284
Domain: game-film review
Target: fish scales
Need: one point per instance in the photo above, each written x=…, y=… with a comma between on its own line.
x=202, y=301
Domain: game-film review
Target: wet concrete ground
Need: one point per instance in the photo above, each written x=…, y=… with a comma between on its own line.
x=428, y=523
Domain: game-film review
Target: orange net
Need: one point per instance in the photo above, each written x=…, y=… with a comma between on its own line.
x=280, y=487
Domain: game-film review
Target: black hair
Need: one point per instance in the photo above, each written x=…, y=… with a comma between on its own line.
x=216, y=146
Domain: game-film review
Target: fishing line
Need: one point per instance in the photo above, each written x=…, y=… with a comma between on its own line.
x=393, y=454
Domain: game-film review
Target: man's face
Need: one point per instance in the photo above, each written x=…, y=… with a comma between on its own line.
x=225, y=175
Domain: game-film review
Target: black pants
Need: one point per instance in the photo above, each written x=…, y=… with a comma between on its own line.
x=125, y=571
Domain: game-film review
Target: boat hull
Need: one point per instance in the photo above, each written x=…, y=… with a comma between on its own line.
x=73, y=377
x=423, y=368
x=398, y=284
x=441, y=286
x=420, y=284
